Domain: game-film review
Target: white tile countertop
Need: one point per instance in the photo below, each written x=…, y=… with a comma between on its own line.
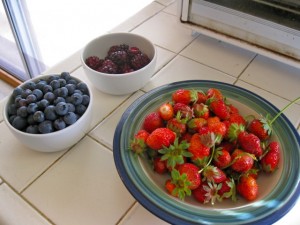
x=81, y=185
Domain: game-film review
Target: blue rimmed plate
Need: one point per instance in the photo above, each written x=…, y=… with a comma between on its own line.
x=277, y=192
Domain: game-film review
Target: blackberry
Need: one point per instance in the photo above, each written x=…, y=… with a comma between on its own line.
x=132, y=51
x=93, y=62
x=119, y=57
x=139, y=61
x=108, y=66
x=125, y=68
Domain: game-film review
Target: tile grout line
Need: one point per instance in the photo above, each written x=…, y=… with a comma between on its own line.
x=121, y=220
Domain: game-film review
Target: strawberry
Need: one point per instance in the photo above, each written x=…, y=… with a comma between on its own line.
x=170, y=187
x=152, y=121
x=159, y=165
x=218, y=128
x=247, y=187
x=219, y=108
x=260, y=128
x=214, y=174
x=207, y=192
x=222, y=158
x=201, y=110
x=194, y=124
x=160, y=137
x=177, y=125
x=166, y=111
x=184, y=96
x=214, y=93
x=201, y=97
x=138, y=144
x=185, y=179
x=175, y=154
x=228, y=146
x=200, y=151
x=236, y=118
x=185, y=110
x=228, y=189
x=271, y=158
x=241, y=161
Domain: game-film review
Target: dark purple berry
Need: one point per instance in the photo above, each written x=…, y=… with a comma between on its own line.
x=93, y=62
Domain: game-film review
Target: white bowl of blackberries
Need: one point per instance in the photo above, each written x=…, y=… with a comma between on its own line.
x=119, y=63
x=49, y=112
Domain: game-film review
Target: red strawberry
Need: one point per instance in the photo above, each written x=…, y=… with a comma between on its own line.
x=219, y=108
x=152, y=121
x=236, y=118
x=228, y=189
x=214, y=174
x=271, y=159
x=260, y=128
x=194, y=124
x=185, y=110
x=222, y=158
x=138, y=144
x=241, y=161
x=200, y=151
x=228, y=146
x=166, y=111
x=218, y=128
x=247, y=187
x=200, y=110
x=214, y=93
x=207, y=192
x=177, y=125
x=184, y=96
x=159, y=165
x=160, y=137
x=193, y=175
x=170, y=187
x=201, y=97
x=250, y=143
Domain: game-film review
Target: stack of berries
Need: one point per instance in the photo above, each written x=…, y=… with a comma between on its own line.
x=120, y=59
x=209, y=150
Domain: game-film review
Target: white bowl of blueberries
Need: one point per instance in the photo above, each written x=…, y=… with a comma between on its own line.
x=50, y=112
x=119, y=63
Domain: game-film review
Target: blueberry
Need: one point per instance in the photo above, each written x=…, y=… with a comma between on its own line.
x=83, y=87
x=76, y=99
x=70, y=118
x=43, y=104
x=85, y=100
x=62, y=82
x=49, y=96
x=26, y=92
x=30, y=120
x=71, y=107
x=31, y=98
x=72, y=81
x=59, y=99
x=22, y=111
x=11, y=118
x=47, y=88
x=32, y=108
x=46, y=127
x=65, y=75
x=78, y=91
x=59, y=124
x=22, y=102
x=40, y=84
x=62, y=92
x=61, y=108
x=38, y=93
x=29, y=85
x=32, y=129
x=19, y=123
x=17, y=91
x=50, y=113
x=38, y=116
x=52, y=77
x=80, y=109
x=12, y=109
x=55, y=84
x=71, y=88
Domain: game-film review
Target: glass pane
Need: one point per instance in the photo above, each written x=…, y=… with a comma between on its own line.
x=10, y=59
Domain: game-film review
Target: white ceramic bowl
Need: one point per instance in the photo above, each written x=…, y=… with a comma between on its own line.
x=119, y=84
x=55, y=141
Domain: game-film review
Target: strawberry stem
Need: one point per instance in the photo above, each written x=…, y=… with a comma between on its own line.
x=287, y=106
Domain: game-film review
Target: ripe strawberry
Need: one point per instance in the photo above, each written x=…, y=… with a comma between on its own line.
x=184, y=96
x=250, y=143
x=241, y=161
x=138, y=144
x=219, y=108
x=170, y=187
x=201, y=110
x=207, y=192
x=201, y=97
x=160, y=166
x=271, y=159
x=185, y=110
x=160, y=137
x=214, y=93
x=218, y=128
x=228, y=189
x=247, y=187
x=222, y=158
x=194, y=124
x=228, y=146
x=200, y=151
x=232, y=109
x=214, y=174
x=152, y=121
x=177, y=125
x=166, y=111
x=193, y=175
x=236, y=118
x=260, y=128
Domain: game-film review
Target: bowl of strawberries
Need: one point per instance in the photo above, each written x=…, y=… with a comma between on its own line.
x=207, y=152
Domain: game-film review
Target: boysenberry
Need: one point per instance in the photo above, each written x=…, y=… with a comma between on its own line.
x=93, y=62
